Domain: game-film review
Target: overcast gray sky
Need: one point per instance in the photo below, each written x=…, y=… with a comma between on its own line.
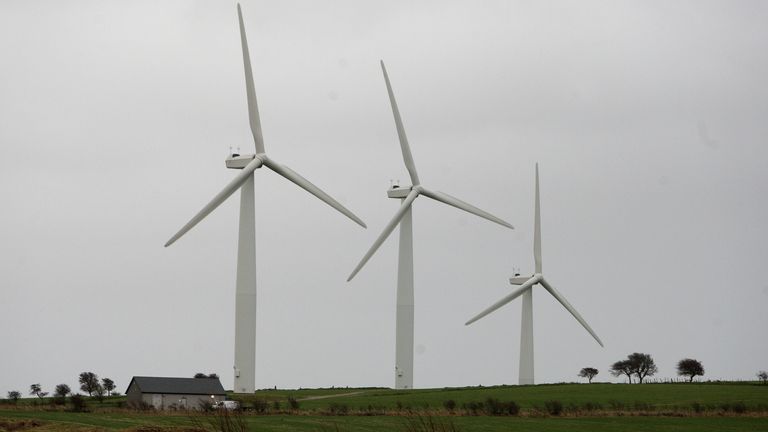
x=649, y=121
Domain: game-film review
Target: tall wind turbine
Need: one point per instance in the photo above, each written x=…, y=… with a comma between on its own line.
x=526, y=290
x=245, y=299
x=403, y=216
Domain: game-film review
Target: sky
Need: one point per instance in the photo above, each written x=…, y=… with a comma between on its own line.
x=648, y=121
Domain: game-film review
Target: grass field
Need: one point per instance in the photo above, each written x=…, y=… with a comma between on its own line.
x=648, y=407
x=609, y=396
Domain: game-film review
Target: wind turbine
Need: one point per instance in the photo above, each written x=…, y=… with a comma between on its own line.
x=403, y=216
x=526, y=290
x=245, y=299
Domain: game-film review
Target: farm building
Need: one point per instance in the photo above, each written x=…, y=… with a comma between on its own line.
x=170, y=393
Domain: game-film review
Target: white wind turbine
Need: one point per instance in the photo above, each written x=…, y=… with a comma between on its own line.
x=526, y=290
x=403, y=216
x=245, y=301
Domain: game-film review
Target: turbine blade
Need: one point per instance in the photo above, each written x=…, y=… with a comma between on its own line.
x=537, y=227
x=309, y=187
x=508, y=298
x=406, y=149
x=222, y=196
x=455, y=202
x=253, y=108
x=570, y=309
x=387, y=231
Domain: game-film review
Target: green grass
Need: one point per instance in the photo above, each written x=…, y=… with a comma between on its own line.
x=659, y=396
x=111, y=422
x=674, y=399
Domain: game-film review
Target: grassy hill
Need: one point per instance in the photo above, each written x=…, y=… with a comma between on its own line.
x=607, y=396
x=583, y=407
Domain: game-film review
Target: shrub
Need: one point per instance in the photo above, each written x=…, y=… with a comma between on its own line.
x=338, y=409
x=78, y=403
x=293, y=403
x=643, y=406
x=697, y=407
x=512, y=408
x=372, y=410
x=739, y=407
x=495, y=407
x=220, y=420
x=553, y=407
x=472, y=407
x=450, y=405
x=260, y=405
x=616, y=405
x=592, y=406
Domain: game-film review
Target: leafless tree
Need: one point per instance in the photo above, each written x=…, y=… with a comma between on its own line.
x=622, y=367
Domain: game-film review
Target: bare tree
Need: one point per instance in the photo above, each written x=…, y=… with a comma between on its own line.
x=690, y=368
x=89, y=381
x=642, y=365
x=622, y=367
x=763, y=376
x=588, y=373
x=36, y=390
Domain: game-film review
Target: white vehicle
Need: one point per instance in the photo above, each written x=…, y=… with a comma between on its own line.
x=227, y=405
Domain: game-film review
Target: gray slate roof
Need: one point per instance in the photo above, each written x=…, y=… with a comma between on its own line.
x=201, y=386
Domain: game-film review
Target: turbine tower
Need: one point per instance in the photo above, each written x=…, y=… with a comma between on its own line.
x=526, y=290
x=245, y=298
x=403, y=216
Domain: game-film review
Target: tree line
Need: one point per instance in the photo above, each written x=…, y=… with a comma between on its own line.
x=641, y=365
x=89, y=383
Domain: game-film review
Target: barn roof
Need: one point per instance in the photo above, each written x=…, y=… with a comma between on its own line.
x=206, y=386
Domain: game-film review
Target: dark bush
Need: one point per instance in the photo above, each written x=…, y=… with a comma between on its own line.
x=616, y=405
x=473, y=408
x=495, y=407
x=373, y=410
x=697, y=407
x=450, y=405
x=293, y=403
x=553, y=407
x=338, y=409
x=78, y=403
x=512, y=408
x=643, y=406
x=592, y=406
x=260, y=405
x=739, y=407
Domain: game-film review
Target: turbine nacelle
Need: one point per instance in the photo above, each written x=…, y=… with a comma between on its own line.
x=399, y=192
x=237, y=161
x=519, y=280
